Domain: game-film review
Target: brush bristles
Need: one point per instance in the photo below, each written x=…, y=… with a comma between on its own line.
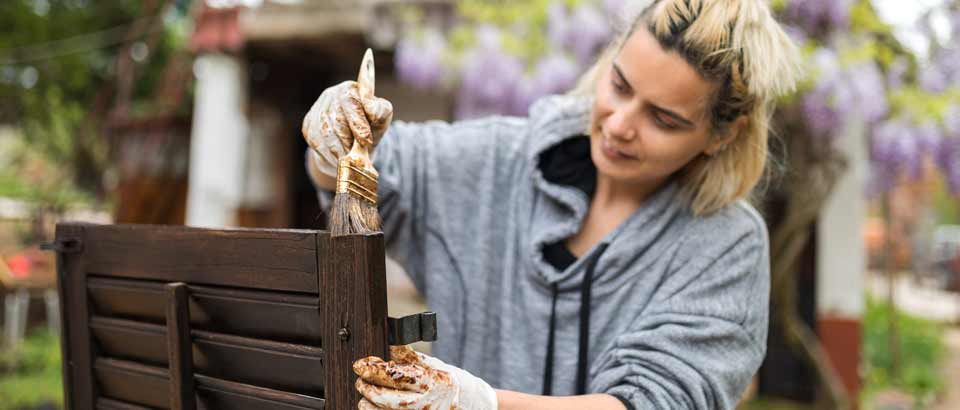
x=352, y=215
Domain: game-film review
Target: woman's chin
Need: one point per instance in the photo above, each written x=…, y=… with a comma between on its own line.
x=617, y=174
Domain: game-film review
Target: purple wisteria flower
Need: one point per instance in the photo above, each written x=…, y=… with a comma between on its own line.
x=896, y=149
x=841, y=94
x=419, y=61
x=554, y=74
x=590, y=31
x=948, y=152
x=614, y=7
x=489, y=77
x=896, y=72
x=933, y=79
x=869, y=91
x=948, y=62
x=951, y=121
x=948, y=160
x=955, y=23
x=797, y=34
x=880, y=181
x=929, y=137
x=821, y=112
x=816, y=15
x=822, y=117
x=838, y=12
x=558, y=25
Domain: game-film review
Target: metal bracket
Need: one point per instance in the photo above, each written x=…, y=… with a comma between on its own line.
x=66, y=245
x=421, y=327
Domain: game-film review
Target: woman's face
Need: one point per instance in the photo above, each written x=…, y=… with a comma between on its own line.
x=650, y=114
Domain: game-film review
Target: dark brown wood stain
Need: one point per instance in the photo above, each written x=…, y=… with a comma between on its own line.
x=187, y=318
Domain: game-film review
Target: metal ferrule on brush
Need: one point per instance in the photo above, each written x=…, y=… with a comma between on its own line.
x=356, y=180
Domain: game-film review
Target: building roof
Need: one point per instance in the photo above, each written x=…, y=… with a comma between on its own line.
x=229, y=28
x=217, y=29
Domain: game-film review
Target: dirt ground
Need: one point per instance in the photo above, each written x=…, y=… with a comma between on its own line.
x=951, y=372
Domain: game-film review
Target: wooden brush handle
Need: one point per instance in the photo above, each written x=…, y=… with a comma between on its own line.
x=355, y=172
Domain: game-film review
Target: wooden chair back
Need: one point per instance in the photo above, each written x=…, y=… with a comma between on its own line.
x=182, y=318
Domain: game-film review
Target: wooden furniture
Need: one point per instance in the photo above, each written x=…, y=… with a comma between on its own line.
x=184, y=318
x=25, y=275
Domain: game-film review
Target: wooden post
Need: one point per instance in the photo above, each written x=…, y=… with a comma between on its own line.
x=75, y=345
x=352, y=302
x=179, y=348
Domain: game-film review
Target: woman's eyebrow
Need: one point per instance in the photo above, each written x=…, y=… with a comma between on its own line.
x=616, y=69
x=677, y=117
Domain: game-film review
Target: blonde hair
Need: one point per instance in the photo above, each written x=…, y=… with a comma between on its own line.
x=739, y=46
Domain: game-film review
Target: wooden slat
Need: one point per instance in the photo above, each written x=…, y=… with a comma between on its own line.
x=179, y=348
x=79, y=388
x=281, y=316
x=222, y=394
x=204, y=337
x=282, y=366
x=259, y=259
x=353, y=307
x=122, y=378
x=132, y=382
x=129, y=340
x=110, y=404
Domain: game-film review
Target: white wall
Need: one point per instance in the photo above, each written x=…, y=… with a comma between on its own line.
x=218, y=141
x=841, y=253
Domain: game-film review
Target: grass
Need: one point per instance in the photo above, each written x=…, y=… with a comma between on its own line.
x=773, y=404
x=12, y=186
x=30, y=373
x=922, y=351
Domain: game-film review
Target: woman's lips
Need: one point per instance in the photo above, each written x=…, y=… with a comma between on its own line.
x=613, y=153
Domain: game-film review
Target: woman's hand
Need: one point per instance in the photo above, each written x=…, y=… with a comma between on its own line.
x=416, y=381
x=338, y=116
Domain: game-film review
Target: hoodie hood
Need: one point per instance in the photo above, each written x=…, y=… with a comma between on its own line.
x=554, y=121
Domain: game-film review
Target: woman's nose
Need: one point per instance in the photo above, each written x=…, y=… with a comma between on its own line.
x=620, y=126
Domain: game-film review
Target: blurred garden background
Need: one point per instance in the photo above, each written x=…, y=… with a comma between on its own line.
x=189, y=112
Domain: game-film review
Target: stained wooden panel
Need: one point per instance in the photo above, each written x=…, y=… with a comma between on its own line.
x=132, y=382
x=283, y=366
x=257, y=319
x=258, y=259
x=353, y=304
x=281, y=316
x=139, y=385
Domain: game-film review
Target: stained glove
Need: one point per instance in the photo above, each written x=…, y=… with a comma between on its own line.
x=339, y=115
x=414, y=380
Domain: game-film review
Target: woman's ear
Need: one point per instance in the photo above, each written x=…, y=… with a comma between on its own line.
x=732, y=131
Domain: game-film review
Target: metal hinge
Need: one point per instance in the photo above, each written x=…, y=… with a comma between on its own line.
x=421, y=327
x=63, y=246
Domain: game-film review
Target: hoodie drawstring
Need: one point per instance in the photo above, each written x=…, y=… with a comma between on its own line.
x=584, y=340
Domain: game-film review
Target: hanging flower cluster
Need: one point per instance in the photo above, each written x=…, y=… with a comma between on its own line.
x=910, y=107
x=498, y=57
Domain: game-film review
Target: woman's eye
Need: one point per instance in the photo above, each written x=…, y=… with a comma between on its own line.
x=662, y=122
x=618, y=86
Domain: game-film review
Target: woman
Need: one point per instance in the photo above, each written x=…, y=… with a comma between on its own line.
x=597, y=254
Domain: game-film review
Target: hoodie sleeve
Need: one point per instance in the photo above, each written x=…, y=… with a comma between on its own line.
x=434, y=176
x=703, y=336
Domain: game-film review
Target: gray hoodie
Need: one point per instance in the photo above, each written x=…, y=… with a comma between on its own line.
x=678, y=315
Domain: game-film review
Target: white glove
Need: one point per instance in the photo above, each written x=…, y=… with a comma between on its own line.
x=339, y=115
x=416, y=381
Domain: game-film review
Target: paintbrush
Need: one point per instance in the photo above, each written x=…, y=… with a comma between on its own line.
x=354, y=207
